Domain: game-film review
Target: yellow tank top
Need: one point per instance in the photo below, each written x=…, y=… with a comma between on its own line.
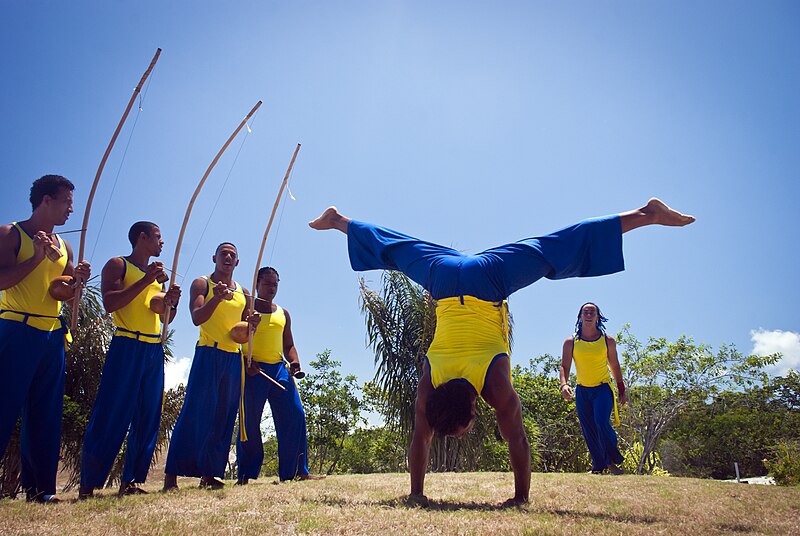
x=217, y=330
x=31, y=294
x=591, y=361
x=268, y=338
x=137, y=317
x=470, y=333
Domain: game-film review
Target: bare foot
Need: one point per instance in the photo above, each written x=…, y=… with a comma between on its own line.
x=614, y=469
x=417, y=499
x=513, y=503
x=330, y=219
x=663, y=215
x=170, y=483
x=308, y=476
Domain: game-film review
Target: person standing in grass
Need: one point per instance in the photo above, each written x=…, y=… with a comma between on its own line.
x=201, y=438
x=469, y=355
x=593, y=353
x=132, y=386
x=272, y=342
x=33, y=334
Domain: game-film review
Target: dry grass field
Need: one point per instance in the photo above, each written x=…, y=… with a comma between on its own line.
x=464, y=503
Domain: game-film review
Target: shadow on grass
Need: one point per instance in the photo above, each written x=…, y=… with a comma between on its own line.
x=619, y=518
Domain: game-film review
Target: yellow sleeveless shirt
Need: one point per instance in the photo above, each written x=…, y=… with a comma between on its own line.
x=470, y=333
x=216, y=331
x=591, y=361
x=31, y=294
x=268, y=338
x=136, y=316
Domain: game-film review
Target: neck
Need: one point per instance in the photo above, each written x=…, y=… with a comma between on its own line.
x=218, y=277
x=590, y=332
x=139, y=257
x=264, y=306
x=37, y=223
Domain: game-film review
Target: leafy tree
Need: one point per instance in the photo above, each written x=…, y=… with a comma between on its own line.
x=401, y=321
x=734, y=427
x=667, y=378
x=332, y=411
x=560, y=444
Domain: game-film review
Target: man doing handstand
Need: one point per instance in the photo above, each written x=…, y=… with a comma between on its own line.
x=469, y=355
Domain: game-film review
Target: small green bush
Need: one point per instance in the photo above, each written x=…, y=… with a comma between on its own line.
x=784, y=464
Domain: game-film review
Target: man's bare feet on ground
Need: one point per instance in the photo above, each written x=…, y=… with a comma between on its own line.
x=170, y=483
x=663, y=215
x=330, y=219
x=417, y=499
x=513, y=503
x=311, y=477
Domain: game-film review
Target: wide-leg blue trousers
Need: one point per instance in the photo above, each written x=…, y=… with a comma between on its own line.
x=594, y=405
x=590, y=248
x=290, y=424
x=128, y=402
x=32, y=386
x=201, y=439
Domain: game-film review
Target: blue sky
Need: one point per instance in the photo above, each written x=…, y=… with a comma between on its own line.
x=466, y=123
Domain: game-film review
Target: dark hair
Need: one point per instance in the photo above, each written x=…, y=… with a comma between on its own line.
x=226, y=244
x=48, y=185
x=449, y=407
x=601, y=320
x=139, y=227
x=267, y=270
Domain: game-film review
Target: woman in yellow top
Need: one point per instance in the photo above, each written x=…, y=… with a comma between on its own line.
x=32, y=334
x=469, y=356
x=594, y=352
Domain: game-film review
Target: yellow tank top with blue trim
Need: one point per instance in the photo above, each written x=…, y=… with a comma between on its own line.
x=216, y=331
x=31, y=294
x=268, y=338
x=591, y=361
x=470, y=333
x=136, y=316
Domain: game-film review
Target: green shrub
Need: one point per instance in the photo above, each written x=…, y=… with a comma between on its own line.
x=784, y=464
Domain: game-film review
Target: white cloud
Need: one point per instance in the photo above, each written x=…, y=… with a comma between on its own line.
x=786, y=342
x=177, y=372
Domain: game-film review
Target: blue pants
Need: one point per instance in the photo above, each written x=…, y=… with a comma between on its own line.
x=128, y=401
x=587, y=249
x=201, y=439
x=290, y=424
x=594, y=405
x=32, y=385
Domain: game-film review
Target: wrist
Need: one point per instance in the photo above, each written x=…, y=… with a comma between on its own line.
x=564, y=385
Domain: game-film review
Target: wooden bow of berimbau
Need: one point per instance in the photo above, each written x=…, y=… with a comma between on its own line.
x=78, y=290
x=165, y=324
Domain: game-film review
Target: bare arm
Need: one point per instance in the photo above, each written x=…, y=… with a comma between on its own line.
x=500, y=394
x=289, y=350
x=200, y=308
x=563, y=370
x=613, y=361
x=116, y=297
x=419, y=451
x=12, y=273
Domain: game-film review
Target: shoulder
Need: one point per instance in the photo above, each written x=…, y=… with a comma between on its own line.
x=611, y=342
x=199, y=285
x=9, y=234
x=569, y=342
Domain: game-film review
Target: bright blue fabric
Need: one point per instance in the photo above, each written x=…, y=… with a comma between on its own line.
x=290, y=424
x=201, y=438
x=587, y=249
x=594, y=405
x=128, y=401
x=32, y=385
